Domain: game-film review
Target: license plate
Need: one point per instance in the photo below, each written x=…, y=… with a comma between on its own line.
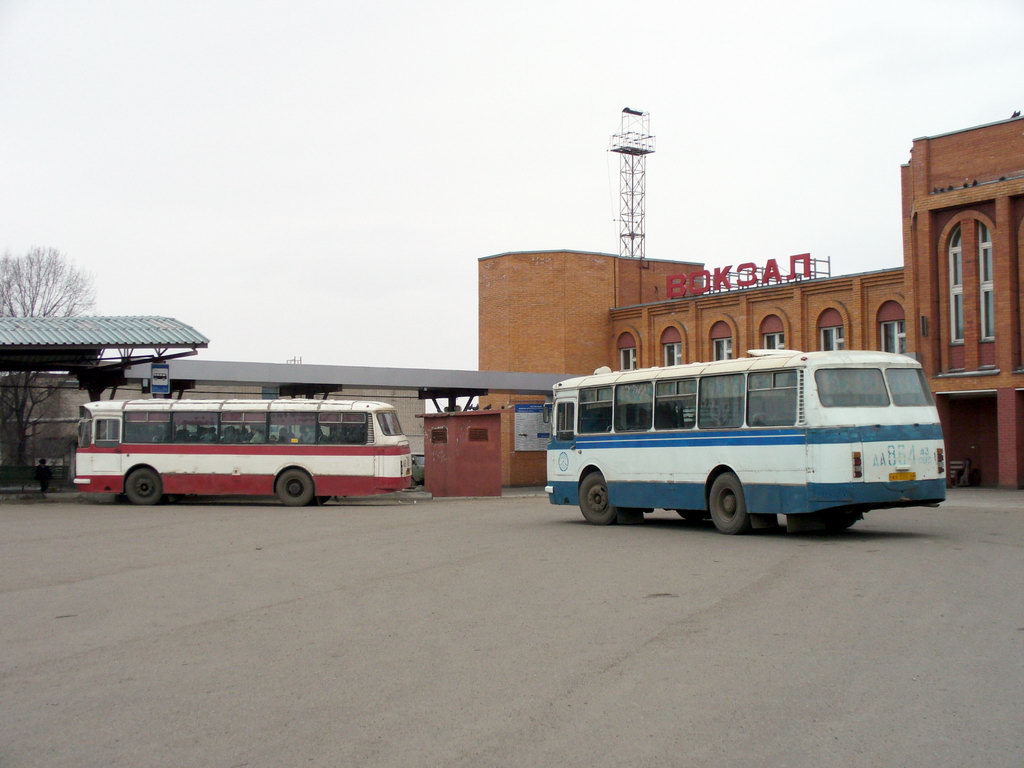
x=902, y=477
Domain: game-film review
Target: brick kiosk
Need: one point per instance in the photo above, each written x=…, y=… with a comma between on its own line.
x=462, y=453
x=963, y=232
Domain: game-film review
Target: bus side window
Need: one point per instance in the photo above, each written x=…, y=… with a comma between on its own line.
x=675, y=404
x=771, y=399
x=633, y=406
x=721, y=401
x=566, y=421
x=108, y=432
x=596, y=409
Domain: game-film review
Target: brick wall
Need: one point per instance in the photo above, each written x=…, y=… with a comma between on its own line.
x=857, y=298
x=548, y=311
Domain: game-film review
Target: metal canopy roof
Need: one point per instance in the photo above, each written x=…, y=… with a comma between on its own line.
x=92, y=332
x=96, y=349
x=430, y=382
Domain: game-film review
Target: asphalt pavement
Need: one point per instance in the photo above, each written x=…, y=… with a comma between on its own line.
x=506, y=632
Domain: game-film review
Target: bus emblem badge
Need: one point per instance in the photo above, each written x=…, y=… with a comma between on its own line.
x=563, y=461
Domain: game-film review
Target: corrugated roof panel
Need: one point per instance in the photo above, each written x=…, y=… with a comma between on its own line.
x=98, y=331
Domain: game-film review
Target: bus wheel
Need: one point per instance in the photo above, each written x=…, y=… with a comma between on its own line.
x=728, y=507
x=594, y=503
x=294, y=488
x=143, y=486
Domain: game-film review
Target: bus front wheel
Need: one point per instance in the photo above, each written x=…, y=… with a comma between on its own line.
x=294, y=488
x=727, y=506
x=143, y=486
x=594, y=503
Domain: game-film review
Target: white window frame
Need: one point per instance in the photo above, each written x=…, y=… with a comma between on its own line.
x=832, y=337
x=893, y=336
x=722, y=348
x=672, y=353
x=627, y=359
x=986, y=304
x=773, y=340
x=956, y=287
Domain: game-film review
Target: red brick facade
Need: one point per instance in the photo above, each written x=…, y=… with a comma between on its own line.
x=953, y=183
x=567, y=311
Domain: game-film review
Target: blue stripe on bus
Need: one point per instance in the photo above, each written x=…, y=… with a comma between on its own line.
x=765, y=499
x=702, y=438
x=879, y=433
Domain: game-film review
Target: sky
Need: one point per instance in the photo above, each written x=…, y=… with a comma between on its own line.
x=317, y=180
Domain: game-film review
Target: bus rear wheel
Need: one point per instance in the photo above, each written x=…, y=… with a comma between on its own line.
x=294, y=488
x=143, y=486
x=727, y=505
x=594, y=503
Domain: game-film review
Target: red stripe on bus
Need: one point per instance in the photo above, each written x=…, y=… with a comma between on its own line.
x=248, y=485
x=198, y=449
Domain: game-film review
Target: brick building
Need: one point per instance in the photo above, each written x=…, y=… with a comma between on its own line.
x=954, y=304
x=963, y=232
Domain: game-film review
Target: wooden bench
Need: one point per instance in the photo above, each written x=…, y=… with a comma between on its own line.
x=959, y=474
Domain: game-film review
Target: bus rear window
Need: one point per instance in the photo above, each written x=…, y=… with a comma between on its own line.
x=851, y=388
x=908, y=386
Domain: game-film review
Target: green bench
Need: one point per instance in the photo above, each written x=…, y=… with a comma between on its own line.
x=25, y=477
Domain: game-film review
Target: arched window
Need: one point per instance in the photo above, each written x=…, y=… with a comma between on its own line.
x=956, y=287
x=987, y=304
x=671, y=346
x=830, y=330
x=627, y=352
x=892, y=328
x=721, y=340
x=772, y=335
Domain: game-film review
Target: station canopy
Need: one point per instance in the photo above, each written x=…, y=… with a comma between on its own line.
x=97, y=349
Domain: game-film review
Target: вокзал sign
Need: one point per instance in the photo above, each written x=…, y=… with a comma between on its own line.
x=745, y=275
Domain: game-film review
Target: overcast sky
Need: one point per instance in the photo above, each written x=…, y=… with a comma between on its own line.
x=318, y=179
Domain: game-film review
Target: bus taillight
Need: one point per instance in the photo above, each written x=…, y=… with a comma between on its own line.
x=858, y=470
x=940, y=459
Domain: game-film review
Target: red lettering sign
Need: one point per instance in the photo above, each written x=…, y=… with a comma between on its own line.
x=702, y=281
x=675, y=286
x=750, y=270
x=805, y=259
x=722, y=278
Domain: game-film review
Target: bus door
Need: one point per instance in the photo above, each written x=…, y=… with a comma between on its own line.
x=107, y=435
x=564, y=457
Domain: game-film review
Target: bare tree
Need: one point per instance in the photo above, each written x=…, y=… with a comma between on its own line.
x=41, y=283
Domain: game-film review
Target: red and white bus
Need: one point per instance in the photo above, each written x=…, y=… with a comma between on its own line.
x=302, y=451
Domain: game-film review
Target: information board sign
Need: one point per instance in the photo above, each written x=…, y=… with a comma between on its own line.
x=532, y=434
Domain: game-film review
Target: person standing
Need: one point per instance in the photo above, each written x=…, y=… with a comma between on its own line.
x=43, y=475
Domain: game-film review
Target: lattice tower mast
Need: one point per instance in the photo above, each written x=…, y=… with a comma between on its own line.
x=633, y=143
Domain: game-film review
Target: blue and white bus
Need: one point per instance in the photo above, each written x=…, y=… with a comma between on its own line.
x=821, y=437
